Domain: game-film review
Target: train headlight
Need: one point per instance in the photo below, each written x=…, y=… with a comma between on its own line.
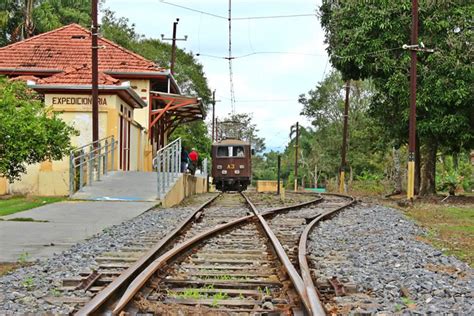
x=224, y=171
x=242, y=166
x=219, y=167
x=236, y=171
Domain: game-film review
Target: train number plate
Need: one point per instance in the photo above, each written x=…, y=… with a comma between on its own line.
x=231, y=166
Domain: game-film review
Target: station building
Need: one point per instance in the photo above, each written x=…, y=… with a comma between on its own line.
x=140, y=104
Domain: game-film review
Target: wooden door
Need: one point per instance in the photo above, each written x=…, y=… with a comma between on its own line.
x=124, y=143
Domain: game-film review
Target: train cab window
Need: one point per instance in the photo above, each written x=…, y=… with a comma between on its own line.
x=223, y=151
x=238, y=151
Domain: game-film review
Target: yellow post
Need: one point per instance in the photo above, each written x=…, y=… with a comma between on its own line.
x=296, y=185
x=341, y=182
x=411, y=180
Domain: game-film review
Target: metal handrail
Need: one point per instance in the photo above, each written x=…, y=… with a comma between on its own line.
x=89, y=160
x=167, y=164
x=92, y=143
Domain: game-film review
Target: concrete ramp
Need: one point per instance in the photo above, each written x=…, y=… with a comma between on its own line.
x=129, y=186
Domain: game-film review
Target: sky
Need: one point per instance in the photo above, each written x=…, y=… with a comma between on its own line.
x=266, y=85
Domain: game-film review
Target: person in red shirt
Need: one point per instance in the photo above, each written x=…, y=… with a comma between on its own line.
x=194, y=157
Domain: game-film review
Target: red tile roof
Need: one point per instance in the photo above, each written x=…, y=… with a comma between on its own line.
x=81, y=75
x=24, y=78
x=66, y=47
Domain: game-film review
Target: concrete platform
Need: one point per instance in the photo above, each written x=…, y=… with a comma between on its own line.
x=122, y=186
x=68, y=223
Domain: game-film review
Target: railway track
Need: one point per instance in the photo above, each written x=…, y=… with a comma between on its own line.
x=226, y=258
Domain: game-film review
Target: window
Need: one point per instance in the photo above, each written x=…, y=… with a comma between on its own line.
x=223, y=151
x=238, y=151
x=230, y=151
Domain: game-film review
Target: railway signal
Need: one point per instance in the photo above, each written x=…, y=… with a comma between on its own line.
x=295, y=129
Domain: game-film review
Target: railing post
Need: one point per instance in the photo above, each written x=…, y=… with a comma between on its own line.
x=179, y=155
x=112, y=157
x=158, y=162
x=106, y=153
x=167, y=153
x=71, y=174
x=81, y=170
x=97, y=157
x=177, y=161
x=162, y=175
x=91, y=164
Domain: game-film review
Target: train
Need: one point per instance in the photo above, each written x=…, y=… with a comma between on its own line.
x=231, y=165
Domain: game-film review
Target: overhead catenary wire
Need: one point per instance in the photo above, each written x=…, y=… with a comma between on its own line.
x=259, y=53
x=297, y=15
x=297, y=53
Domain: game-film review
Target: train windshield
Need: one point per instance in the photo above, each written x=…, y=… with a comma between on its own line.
x=230, y=151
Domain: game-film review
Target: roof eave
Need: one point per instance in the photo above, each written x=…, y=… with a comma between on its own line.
x=29, y=71
x=145, y=75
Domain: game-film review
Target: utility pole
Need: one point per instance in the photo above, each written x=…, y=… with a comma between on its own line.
x=173, y=45
x=213, y=113
x=412, y=124
x=414, y=48
x=95, y=76
x=342, y=168
x=296, y=155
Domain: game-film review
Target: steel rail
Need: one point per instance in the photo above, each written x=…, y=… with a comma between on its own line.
x=316, y=307
x=289, y=267
x=146, y=274
x=112, y=289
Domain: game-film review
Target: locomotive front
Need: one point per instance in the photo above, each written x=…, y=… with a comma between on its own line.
x=231, y=165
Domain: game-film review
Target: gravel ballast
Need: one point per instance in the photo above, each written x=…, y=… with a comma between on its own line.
x=26, y=289
x=376, y=248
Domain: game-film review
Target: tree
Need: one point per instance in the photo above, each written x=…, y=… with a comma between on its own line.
x=193, y=135
x=365, y=41
x=23, y=19
x=29, y=132
x=324, y=105
x=189, y=74
x=240, y=126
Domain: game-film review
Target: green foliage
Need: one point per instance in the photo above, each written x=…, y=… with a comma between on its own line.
x=194, y=134
x=28, y=283
x=320, y=147
x=55, y=292
x=455, y=173
x=365, y=41
x=23, y=258
x=188, y=73
x=17, y=22
x=51, y=14
x=29, y=132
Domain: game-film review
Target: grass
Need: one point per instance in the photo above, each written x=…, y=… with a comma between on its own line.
x=21, y=203
x=451, y=228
